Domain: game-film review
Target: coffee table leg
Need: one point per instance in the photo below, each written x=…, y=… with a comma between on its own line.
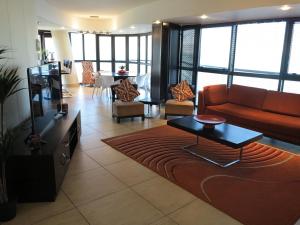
x=195, y=152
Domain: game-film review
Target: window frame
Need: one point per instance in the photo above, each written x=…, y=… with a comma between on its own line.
x=230, y=72
x=113, y=61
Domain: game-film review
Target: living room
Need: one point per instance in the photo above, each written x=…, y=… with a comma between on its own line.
x=150, y=112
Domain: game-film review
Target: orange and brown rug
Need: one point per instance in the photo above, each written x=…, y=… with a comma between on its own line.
x=263, y=189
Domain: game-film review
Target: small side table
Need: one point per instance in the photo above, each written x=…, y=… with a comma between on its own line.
x=150, y=101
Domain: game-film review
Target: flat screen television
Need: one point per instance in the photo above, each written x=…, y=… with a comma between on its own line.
x=45, y=95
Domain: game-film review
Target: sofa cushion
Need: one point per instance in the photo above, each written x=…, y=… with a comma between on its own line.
x=284, y=103
x=215, y=94
x=247, y=96
x=254, y=118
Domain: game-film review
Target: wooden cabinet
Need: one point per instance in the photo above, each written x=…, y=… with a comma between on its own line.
x=36, y=176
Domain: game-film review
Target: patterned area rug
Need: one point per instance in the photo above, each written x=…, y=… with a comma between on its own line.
x=263, y=189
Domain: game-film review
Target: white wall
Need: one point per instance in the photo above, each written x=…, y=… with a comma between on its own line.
x=64, y=51
x=18, y=33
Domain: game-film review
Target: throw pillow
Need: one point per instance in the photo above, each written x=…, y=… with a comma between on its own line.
x=182, y=91
x=126, y=91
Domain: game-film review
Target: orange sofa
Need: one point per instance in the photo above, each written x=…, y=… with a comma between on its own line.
x=275, y=114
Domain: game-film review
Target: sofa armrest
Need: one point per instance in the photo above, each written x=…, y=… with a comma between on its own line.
x=201, y=103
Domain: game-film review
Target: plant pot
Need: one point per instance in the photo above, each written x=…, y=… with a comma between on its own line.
x=8, y=210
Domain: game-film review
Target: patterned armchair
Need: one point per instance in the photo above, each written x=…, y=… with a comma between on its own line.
x=87, y=73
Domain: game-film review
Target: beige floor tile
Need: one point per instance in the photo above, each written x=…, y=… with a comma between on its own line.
x=29, y=213
x=72, y=217
x=117, y=132
x=164, y=221
x=90, y=185
x=200, y=213
x=121, y=208
x=165, y=195
x=80, y=163
x=130, y=172
x=91, y=141
x=106, y=155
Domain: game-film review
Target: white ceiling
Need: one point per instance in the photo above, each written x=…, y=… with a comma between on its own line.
x=241, y=15
x=102, y=8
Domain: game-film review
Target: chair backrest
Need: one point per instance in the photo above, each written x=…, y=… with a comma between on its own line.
x=87, y=72
x=140, y=80
x=148, y=81
x=98, y=80
x=113, y=93
x=107, y=81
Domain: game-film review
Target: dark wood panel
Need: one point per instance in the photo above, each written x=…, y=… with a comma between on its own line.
x=35, y=176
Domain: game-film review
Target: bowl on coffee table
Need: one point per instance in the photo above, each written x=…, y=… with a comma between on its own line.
x=209, y=121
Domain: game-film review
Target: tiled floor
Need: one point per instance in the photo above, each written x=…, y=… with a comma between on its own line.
x=104, y=187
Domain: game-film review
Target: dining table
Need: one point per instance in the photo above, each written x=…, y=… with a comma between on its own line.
x=118, y=76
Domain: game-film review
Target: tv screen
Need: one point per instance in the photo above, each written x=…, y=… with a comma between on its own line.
x=45, y=94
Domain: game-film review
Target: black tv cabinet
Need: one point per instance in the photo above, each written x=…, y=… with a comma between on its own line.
x=36, y=176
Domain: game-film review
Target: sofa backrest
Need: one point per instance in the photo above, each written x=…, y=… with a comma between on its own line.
x=283, y=103
x=247, y=96
x=215, y=94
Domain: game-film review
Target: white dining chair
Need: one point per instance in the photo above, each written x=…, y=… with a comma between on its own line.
x=97, y=84
x=106, y=82
x=140, y=80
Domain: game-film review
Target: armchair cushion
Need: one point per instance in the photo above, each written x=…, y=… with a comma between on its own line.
x=126, y=92
x=182, y=91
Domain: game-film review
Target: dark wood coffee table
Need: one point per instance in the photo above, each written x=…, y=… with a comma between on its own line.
x=226, y=134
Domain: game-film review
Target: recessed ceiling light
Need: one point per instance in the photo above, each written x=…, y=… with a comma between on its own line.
x=204, y=17
x=132, y=27
x=157, y=22
x=285, y=7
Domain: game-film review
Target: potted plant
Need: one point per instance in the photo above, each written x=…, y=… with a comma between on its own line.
x=9, y=82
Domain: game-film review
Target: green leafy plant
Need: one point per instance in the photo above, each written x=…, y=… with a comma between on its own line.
x=9, y=85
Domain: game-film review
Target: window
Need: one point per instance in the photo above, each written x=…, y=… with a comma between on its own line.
x=294, y=65
x=133, y=68
x=291, y=86
x=269, y=84
x=78, y=67
x=188, y=48
x=259, y=47
x=143, y=49
x=105, y=47
x=215, y=47
x=89, y=46
x=149, y=69
x=187, y=75
x=105, y=66
x=149, y=48
x=142, y=69
x=77, y=46
x=118, y=65
x=50, y=49
x=120, y=48
x=133, y=48
x=207, y=79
